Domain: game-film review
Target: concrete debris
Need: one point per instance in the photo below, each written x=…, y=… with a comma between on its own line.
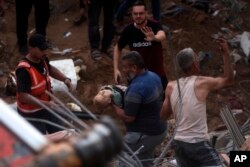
x=235, y=41
x=66, y=34
x=32, y=31
x=66, y=19
x=223, y=141
x=77, y=69
x=64, y=52
x=10, y=85
x=68, y=68
x=237, y=111
x=235, y=56
x=215, y=13
x=74, y=107
x=245, y=43
x=78, y=62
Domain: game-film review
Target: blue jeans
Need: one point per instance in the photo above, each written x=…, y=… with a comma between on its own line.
x=126, y=4
x=136, y=139
x=199, y=154
x=94, y=13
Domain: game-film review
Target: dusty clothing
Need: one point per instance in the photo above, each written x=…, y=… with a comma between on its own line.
x=191, y=139
x=150, y=51
x=192, y=126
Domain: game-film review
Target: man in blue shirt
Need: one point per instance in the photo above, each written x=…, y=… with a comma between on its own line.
x=142, y=106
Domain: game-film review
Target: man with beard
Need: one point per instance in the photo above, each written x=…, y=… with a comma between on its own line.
x=142, y=106
x=143, y=36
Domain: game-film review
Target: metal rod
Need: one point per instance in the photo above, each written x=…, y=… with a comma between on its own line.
x=80, y=104
x=95, y=118
x=232, y=126
x=52, y=112
x=67, y=111
x=178, y=114
x=47, y=122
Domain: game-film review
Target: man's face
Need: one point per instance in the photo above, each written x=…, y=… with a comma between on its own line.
x=38, y=53
x=139, y=14
x=128, y=69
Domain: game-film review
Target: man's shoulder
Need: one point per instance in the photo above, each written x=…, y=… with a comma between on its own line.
x=171, y=83
x=153, y=23
x=128, y=27
x=23, y=63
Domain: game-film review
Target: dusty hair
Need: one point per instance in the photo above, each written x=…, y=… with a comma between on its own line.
x=185, y=58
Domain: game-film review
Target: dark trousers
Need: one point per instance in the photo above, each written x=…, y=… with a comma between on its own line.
x=196, y=154
x=82, y=5
x=41, y=126
x=126, y=4
x=94, y=13
x=23, y=9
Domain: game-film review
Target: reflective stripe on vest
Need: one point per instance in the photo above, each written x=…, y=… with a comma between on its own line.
x=39, y=84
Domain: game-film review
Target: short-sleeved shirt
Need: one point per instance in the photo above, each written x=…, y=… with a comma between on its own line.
x=143, y=100
x=23, y=77
x=150, y=51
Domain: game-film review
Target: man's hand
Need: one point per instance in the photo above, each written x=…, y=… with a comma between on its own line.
x=223, y=46
x=117, y=76
x=68, y=83
x=148, y=32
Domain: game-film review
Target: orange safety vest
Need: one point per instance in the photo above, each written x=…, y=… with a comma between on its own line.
x=39, y=84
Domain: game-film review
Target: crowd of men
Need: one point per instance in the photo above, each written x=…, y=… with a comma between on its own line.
x=149, y=98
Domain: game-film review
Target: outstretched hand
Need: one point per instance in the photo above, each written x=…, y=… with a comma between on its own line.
x=148, y=32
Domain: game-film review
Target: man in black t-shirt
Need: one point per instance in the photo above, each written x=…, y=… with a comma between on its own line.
x=33, y=79
x=144, y=36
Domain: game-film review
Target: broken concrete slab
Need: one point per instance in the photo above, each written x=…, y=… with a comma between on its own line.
x=66, y=66
x=245, y=43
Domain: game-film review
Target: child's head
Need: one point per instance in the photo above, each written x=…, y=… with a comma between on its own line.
x=103, y=98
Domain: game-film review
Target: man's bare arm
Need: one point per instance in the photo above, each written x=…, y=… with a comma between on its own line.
x=57, y=74
x=210, y=83
x=166, y=110
x=117, y=73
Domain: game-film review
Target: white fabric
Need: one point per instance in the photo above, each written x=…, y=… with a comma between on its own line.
x=192, y=127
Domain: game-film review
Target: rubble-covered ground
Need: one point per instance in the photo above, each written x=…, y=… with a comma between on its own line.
x=188, y=27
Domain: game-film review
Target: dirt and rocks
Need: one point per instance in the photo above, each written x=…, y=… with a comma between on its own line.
x=187, y=28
